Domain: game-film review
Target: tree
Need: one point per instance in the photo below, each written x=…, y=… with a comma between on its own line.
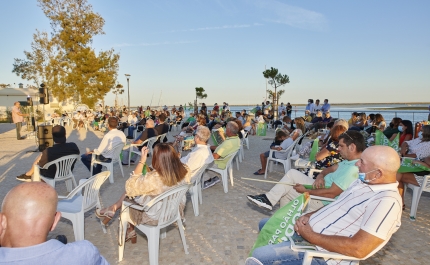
x=275, y=80
x=4, y=85
x=117, y=90
x=200, y=93
x=64, y=60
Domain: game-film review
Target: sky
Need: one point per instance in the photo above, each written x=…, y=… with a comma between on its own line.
x=346, y=51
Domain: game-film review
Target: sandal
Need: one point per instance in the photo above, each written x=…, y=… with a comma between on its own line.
x=106, y=216
x=258, y=173
x=131, y=236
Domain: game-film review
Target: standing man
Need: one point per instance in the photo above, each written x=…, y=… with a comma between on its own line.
x=317, y=106
x=104, y=153
x=281, y=109
x=289, y=109
x=17, y=118
x=326, y=106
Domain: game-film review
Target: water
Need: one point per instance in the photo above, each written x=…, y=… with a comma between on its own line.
x=344, y=111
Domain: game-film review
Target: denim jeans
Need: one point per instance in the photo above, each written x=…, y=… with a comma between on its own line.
x=279, y=254
x=97, y=168
x=131, y=130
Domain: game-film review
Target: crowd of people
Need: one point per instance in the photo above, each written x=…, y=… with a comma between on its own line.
x=349, y=171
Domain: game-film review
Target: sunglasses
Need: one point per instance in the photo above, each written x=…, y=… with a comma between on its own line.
x=348, y=136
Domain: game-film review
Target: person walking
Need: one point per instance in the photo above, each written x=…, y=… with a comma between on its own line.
x=18, y=118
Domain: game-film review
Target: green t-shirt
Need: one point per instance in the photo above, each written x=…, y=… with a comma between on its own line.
x=230, y=145
x=346, y=173
x=191, y=119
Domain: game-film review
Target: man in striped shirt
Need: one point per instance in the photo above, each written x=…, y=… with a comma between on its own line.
x=358, y=224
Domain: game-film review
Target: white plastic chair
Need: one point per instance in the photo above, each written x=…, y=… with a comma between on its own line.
x=309, y=254
x=227, y=171
x=161, y=137
x=196, y=189
x=150, y=142
x=109, y=165
x=76, y=204
x=139, y=129
x=285, y=162
x=169, y=213
x=416, y=195
x=245, y=139
x=63, y=172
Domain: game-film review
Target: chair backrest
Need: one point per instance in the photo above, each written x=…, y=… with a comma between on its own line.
x=117, y=149
x=91, y=189
x=170, y=203
x=63, y=165
x=151, y=142
x=161, y=137
x=230, y=158
x=196, y=178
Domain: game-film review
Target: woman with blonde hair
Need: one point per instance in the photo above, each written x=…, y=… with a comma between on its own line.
x=168, y=171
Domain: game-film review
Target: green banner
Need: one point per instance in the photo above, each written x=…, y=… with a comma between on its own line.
x=381, y=139
x=406, y=166
x=261, y=129
x=281, y=225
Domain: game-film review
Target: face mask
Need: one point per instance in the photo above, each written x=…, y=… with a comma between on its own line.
x=420, y=135
x=362, y=177
x=400, y=128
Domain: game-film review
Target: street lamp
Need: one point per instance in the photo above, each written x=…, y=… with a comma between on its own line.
x=128, y=90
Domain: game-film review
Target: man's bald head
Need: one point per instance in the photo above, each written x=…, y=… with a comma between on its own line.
x=149, y=123
x=383, y=158
x=29, y=207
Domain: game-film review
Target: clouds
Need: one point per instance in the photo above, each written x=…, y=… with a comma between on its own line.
x=277, y=12
x=219, y=27
x=145, y=44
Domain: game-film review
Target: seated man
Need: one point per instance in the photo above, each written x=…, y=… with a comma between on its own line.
x=105, y=150
x=162, y=126
x=32, y=207
x=58, y=150
x=337, y=177
x=149, y=132
x=230, y=145
x=358, y=224
x=132, y=122
x=201, y=154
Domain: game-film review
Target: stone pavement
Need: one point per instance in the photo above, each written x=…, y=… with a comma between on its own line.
x=226, y=228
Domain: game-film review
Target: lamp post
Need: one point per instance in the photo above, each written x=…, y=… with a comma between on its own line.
x=128, y=90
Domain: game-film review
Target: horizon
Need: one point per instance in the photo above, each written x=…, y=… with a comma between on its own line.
x=341, y=51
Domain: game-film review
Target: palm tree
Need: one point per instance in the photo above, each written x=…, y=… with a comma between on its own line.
x=117, y=90
x=200, y=93
x=275, y=80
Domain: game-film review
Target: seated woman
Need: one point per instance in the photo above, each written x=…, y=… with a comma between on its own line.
x=353, y=120
x=318, y=117
x=377, y=124
x=248, y=123
x=406, y=131
x=286, y=142
x=392, y=130
x=329, y=155
x=140, y=189
x=361, y=122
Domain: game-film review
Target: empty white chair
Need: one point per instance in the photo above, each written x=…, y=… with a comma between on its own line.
x=169, y=213
x=227, y=171
x=196, y=189
x=109, y=165
x=285, y=162
x=77, y=203
x=150, y=142
x=416, y=195
x=63, y=172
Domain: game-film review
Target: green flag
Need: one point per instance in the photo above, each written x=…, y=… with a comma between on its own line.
x=381, y=139
x=281, y=225
x=407, y=166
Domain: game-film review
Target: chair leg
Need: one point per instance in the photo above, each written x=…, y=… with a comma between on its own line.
x=153, y=245
x=267, y=168
x=195, y=200
x=181, y=231
x=110, y=168
x=123, y=229
x=224, y=180
x=230, y=172
x=416, y=195
x=199, y=190
x=237, y=161
x=120, y=166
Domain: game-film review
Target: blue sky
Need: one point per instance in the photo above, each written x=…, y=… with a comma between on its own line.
x=347, y=51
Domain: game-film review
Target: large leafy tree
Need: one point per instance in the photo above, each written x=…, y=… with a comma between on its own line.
x=64, y=60
x=275, y=79
x=200, y=93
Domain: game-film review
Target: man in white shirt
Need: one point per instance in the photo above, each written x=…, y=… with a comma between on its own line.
x=358, y=224
x=17, y=118
x=104, y=153
x=201, y=154
x=281, y=109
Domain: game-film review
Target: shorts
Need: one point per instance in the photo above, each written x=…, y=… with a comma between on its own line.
x=266, y=154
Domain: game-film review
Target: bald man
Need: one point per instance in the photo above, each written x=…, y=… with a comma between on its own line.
x=358, y=224
x=29, y=213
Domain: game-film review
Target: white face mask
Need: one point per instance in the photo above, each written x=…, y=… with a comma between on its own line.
x=420, y=135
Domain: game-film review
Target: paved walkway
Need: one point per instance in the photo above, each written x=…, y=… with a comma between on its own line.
x=226, y=228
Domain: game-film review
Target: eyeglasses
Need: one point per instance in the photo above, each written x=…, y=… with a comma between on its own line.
x=348, y=136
